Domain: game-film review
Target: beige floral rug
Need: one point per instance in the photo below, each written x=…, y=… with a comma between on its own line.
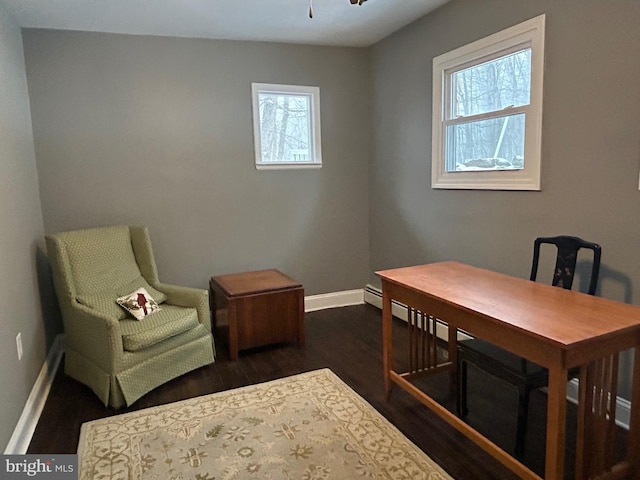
x=310, y=427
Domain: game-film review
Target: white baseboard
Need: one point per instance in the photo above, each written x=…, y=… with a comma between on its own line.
x=373, y=296
x=332, y=300
x=19, y=441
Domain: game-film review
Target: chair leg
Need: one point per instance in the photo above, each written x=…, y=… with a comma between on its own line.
x=461, y=397
x=523, y=418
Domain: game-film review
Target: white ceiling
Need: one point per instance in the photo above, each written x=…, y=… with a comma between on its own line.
x=335, y=22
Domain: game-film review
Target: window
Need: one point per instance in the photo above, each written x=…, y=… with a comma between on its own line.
x=487, y=112
x=286, y=126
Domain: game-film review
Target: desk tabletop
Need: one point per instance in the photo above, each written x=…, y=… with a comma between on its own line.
x=563, y=317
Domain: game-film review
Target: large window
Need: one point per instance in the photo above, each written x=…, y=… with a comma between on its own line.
x=286, y=126
x=487, y=111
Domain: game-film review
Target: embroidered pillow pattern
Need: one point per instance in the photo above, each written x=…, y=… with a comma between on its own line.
x=139, y=303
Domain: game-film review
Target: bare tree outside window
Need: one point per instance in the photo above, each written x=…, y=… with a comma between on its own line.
x=286, y=126
x=493, y=138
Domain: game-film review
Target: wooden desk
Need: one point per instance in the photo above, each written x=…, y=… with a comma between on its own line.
x=550, y=326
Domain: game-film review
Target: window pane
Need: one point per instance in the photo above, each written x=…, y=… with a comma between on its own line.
x=493, y=144
x=285, y=127
x=492, y=86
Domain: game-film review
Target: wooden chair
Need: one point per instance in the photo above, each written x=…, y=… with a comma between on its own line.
x=519, y=372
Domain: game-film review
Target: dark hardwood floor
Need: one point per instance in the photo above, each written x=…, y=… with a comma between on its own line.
x=348, y=341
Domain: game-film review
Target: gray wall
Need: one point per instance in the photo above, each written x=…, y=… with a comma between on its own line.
x=590, y=145
x=22, y=230
x=157, y=131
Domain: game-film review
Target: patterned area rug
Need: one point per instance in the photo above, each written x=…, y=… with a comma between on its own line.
x=310, y=426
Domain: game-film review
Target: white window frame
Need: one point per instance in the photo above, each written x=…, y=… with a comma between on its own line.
x=315, y=149
x=527, y=34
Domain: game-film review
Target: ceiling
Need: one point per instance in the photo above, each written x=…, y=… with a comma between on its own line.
x=334, y=22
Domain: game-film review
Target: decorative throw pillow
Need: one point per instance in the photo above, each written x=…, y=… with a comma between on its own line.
x=139, y=303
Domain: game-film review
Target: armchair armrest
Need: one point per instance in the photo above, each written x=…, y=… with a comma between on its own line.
x=94, y=335
x=188, y=297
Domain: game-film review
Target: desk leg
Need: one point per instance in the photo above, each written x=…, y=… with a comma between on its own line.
x=387, y=340
x=453, y=358
x=633, y=446
x=556, y=424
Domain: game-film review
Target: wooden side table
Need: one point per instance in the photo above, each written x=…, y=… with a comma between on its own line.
x=252, y=309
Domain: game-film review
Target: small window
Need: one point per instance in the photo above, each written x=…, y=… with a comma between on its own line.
x=487, y=111
x=286, y=126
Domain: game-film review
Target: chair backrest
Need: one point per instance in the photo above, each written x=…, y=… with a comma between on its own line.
x=94, y=267
x=97, y=258
x=566, y=260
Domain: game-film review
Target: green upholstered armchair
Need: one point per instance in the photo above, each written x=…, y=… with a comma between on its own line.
x=118, y=357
